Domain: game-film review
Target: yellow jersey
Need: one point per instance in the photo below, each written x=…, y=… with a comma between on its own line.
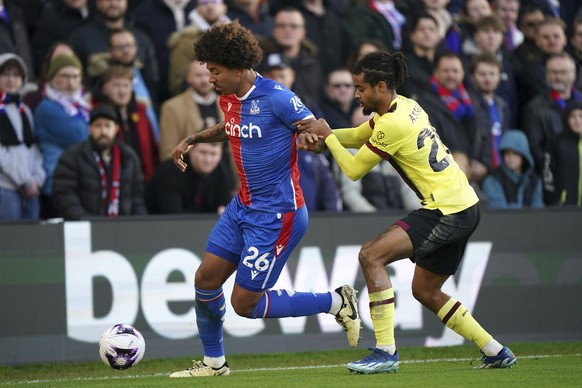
x=404, y=137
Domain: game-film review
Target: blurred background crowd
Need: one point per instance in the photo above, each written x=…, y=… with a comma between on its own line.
x=501, y=81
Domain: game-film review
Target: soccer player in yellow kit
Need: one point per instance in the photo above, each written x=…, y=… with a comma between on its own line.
x=434, y=236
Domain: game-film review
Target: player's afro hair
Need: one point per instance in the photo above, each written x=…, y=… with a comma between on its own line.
x=230, y=45
x=382, y=66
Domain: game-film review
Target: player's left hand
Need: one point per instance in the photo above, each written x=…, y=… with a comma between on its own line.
x=318, y=127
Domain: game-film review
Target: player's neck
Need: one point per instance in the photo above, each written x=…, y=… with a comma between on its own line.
x=248, y=80
x=385, y=107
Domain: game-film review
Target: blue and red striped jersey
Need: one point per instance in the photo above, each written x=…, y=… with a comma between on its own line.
x=263, y=143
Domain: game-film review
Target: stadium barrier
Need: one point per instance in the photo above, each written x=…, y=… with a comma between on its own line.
x=63, y=284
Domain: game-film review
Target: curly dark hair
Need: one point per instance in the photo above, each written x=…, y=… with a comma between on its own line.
x=230, y=45
x=383, y=66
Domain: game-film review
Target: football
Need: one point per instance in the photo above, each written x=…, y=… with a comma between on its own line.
x=121, y=346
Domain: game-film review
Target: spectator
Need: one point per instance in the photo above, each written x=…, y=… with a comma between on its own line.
x=449, y=105
x=515, y=184
x=508, y=12
x=324, y=28
x=489, y=39
x=100, y=176
x=460, y=38
x=135, y=128
x=122, y=50
x=253, y=15
x=380, y=20
x=338, y=101
x=14, y=36
x=206, y=14
x=366, y=46
x=60, y=118
x=93, y=37
x=492, y=115
x=446, y=23
x=528, y=21
x=189, y=112
x=289, y=40
x=56, y=24
x=530, y=74
x=543, y=115
x=424, y=42
x=159, y=19
x=33, y=98
x=205, y=187
x=567, y=158
x=21, y=172
x=317, y=182
x=575, y=49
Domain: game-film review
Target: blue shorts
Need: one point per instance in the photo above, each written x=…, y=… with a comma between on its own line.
x=258, y=242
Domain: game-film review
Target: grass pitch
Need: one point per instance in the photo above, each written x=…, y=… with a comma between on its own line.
x=539, y=365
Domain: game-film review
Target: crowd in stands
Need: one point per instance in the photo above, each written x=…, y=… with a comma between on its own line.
x=94, y=95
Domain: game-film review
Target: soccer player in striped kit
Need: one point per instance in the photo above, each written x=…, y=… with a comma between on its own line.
x=266, y=219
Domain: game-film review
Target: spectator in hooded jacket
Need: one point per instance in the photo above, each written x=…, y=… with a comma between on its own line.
x=515, y=184
x=21, y=172
x=100, y=176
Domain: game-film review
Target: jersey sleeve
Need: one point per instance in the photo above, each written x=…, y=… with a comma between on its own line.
x=353, y=166
x=289, y=107
x=354, y=137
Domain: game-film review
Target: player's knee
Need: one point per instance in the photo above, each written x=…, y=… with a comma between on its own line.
x=422, y=294
x=205, y=282
x=366, y=256
x=242, y=307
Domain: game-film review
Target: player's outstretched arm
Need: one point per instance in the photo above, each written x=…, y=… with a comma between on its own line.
x=209, y=135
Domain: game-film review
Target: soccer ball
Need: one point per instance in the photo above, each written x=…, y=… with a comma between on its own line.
x=121, y=346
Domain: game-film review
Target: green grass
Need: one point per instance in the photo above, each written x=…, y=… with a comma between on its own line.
x=539, y=365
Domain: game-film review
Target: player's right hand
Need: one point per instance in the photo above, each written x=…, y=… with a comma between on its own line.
x=178, y=154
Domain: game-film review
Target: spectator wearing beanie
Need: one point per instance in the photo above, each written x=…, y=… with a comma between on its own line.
x=61, y=118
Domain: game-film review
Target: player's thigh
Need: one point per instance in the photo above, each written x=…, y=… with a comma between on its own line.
x=391, y=245
x=269, y=241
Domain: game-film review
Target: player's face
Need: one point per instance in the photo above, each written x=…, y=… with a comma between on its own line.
x=225, y=80
x=366, y=94
x=486, y=77
x=575, y=121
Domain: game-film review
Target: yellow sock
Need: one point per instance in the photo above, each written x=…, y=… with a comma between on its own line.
x=382, y=312
x=457, y=318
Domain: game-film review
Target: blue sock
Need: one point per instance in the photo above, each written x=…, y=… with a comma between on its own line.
x=210, y=309
x=284, y=303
